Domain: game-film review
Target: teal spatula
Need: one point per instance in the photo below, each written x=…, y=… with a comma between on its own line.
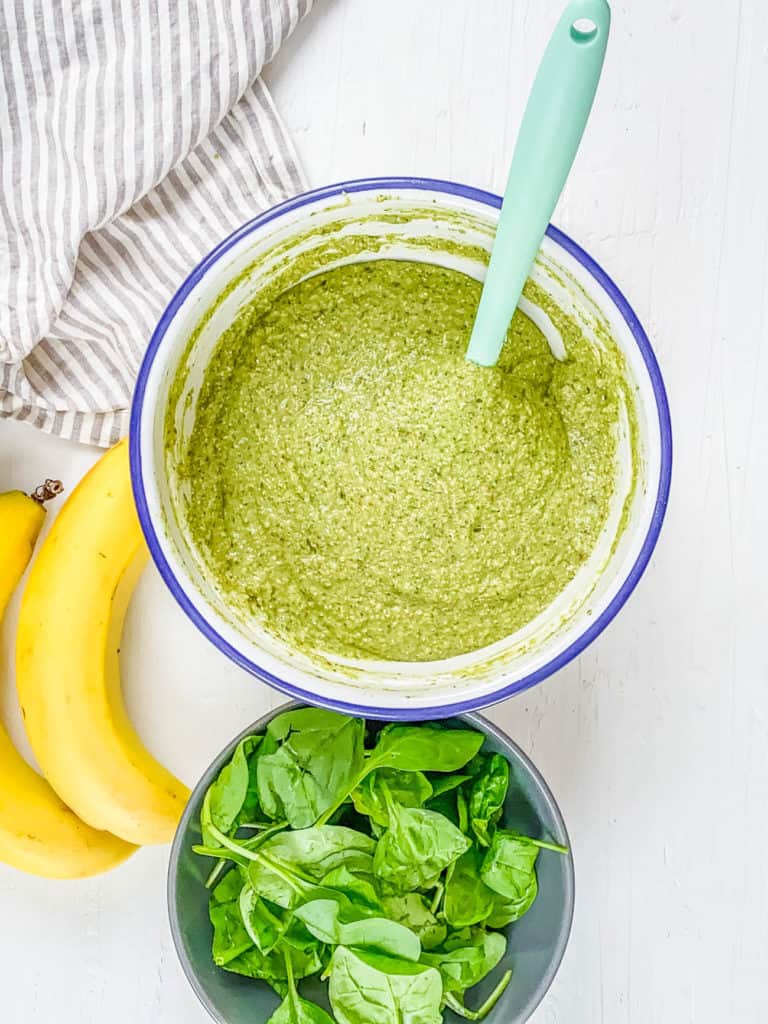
x=553, y=123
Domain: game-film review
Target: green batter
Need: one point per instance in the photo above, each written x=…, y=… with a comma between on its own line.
x=365, y=491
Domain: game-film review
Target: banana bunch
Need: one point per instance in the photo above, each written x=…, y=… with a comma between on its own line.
x=103, y=793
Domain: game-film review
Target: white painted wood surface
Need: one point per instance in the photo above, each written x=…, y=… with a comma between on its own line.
x=656, y=741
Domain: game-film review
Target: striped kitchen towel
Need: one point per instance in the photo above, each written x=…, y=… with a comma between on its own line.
x=134, y=135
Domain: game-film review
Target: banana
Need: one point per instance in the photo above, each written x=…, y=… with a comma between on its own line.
x=22, y=519
x=67, y=670
x=38, y=833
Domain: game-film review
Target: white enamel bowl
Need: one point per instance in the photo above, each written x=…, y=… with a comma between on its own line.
x=400, y=218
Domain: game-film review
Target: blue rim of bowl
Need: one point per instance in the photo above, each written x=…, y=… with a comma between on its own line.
x=512, y=750
x=404, y=713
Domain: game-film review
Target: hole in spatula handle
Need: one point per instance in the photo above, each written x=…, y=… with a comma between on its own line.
x=583, y=30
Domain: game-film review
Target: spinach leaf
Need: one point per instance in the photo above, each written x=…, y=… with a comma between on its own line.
x=231, y=799
x=252, y=814
x=410, y=789
x=321, y=849
x=280, y=884
x=226, y=796
x=264, y=927
x=288, y=867
x=463, y=811
x=359, y=888
x=456, y=967
x=486, y=797
x=416, y=847
x=445, y=804
x=414, y=912
x=253, y=964
x=230, y=938
x=328, y=921
x=366, y=988
x=270, y=967
x=465, y=962
x=468, y=900
x=445, y=783
x=228, y=888
x=414, y=748
x=235, y=949
x=503, y=912
x=294, y=1009
x=458, y=1007
x=509, y=869
x=319, y=757
x=424, y=748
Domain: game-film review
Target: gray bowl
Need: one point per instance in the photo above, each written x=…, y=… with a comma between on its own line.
x=536, y=943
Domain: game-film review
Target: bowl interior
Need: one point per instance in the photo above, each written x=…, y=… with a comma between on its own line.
x=455, y=231
x=536, y=943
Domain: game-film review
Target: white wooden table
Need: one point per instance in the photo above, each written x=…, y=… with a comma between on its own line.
x=656, y=740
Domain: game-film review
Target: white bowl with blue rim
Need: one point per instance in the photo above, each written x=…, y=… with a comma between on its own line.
x=443, y=223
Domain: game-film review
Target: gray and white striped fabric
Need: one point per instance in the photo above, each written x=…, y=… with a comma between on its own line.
x=134, y=135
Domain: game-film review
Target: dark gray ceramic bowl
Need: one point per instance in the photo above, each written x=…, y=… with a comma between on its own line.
x=536, y=943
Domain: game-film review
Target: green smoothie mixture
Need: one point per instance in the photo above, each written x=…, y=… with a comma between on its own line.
x=365, y=491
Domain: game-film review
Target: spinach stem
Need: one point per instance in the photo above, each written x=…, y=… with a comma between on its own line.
x=458, y=1007
x=232, y=844
x=439, y=890
x=216, y=871
x=252, y=843
x=276, y=868
x=218, y=853
x=293, y=995
x=544, y=845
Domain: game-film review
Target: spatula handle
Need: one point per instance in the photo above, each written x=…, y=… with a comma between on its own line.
x=553, y=124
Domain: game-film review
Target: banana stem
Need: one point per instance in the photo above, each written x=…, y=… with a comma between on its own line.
x=46, y=491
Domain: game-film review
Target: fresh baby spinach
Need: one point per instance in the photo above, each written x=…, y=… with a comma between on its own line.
x=445, y=783
x=487, y=794
x=230, y=937
x=465, y=959
x=462, y=810
x=509, y=869
x=231, y=800
x=414, y=911
x=335, y=925
x=234, y=947
x=410, y=789
x=366, y=988
x=323, y=848
x=357, y=886
x=413, y=748
x=454, y=1002
x=225, y=798
x=379, y=862
x=270, y=967
x=424, y=748
x=467, y=899
x=264, y=927
x=416, y=847
x=294, y=1009
x=319, y=755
